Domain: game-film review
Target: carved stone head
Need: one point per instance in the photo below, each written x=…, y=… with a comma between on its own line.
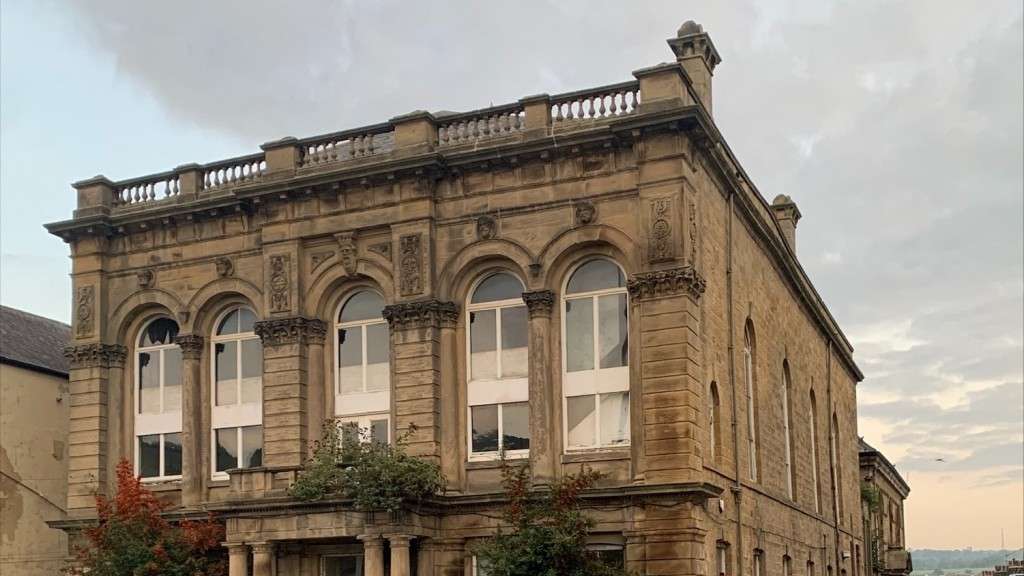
x=146, y=278
x=486, y=228
x=347, y=251
x=586, y=213
x=224, y=266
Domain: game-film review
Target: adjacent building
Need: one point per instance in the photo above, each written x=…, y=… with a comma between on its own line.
x=883, y=492
x=580, y=279
x=34, y=407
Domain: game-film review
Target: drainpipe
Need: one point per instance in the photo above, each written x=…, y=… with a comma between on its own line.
x=737, y=489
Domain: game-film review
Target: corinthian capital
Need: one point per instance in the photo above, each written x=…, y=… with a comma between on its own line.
x=539, y=302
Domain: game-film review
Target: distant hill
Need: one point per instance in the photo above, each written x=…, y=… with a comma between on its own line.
x=926, y=560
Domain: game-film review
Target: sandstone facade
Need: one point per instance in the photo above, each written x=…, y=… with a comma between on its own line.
x=418, y=210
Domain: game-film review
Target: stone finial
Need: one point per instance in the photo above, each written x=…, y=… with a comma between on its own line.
x=688, y=28
x=696, y=53
x=787, y=215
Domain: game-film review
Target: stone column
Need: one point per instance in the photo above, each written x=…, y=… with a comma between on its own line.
x=542, y=449
x=192, y=408
x=451, y=444
x=668, y=401
x=415, y=339
x=318, y=388
x=89, y=379
x=238, y=559
x=400, y=564
x=285, y=387
x=373, y=554
x=262, y=559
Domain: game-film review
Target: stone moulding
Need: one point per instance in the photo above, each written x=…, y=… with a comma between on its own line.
x=294, y=330
x=421, y=314
x=539, y=302
x=684, y=280
x=96, y=355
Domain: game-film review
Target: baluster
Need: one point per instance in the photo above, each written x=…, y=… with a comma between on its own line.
x=369, y=142
x=600, y=106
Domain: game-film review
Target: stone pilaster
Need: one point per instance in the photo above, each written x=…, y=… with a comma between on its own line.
x=542, y=439
x=452, y=406
x=400, y=561
x=192, y=410
x=88, y=439
x=286, y=344
x=263, y=559
x=373, y=554
x=416, y=365
x=318, y=388
x=667, y=412
x=238, y=559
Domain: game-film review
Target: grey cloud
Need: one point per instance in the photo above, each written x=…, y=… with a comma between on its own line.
x=896, y=126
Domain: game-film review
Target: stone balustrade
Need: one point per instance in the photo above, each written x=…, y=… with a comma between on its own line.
x=346, y=145
x=480, y=125
x=146, y=189
x=241, y=170
x=596, y=103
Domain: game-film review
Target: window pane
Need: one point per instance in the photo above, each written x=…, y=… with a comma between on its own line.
x=513, y=342
x=485, y=428
x=378, y=370
x=227, y=448
x=581, y=418
x=515, y=426
x=483, y=338
x=149, y=456
x=498, y=287
x=252, y=446
x=172, y=454
x=579, y=334
x=226, y=354
x=229, y=325
x=612, y=330
x=379, y=431
x=252, y=370
x=362, y=306
x=149, y=382
x=246, y=320
x=614, y=418
x=159, y=331
x=350, y=431
x=350, y=359
x=172, y=379
x=595, y=275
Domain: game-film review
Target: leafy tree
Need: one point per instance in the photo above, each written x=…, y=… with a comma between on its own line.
x=133, y=539
x=548, y=530
x=376, y=476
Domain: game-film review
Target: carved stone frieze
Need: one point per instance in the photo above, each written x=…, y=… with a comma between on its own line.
x=191, y=345
x=225, y=267
x=294, y=330
x=410, y=265
x=539, y=302
x=280, y=283
x=348, y=251
x=85, y=314
x=421, y=314
x=96, y=355
x=684, y=280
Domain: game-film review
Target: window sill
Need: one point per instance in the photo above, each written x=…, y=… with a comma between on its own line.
x=597, y=455
x=496, y=463
x=162, y=484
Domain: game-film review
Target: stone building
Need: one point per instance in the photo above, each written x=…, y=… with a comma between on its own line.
x=587, y=278
x=883, y=492
x=33, y=442
x=1013, y=567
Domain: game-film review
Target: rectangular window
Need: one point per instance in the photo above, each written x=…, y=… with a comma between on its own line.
x=149, y=456
x=159, y=456
x=722, y=552
x=367, y=428
x=499, y=427
x=240, y=447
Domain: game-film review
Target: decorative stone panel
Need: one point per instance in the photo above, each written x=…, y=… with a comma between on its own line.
x=684, y=280
x=280, y=283
x=85, y=311
x=410, y=265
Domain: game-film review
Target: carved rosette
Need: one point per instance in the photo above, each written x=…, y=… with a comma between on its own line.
x=421, y=314
x=96, y=355
x=684, y=280
x=191, y=346
x=539, y=302
x=294, y=330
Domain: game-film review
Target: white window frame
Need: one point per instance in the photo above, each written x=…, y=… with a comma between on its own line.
x=154, y=424
x=598, y=381
x=748, y=369
x=362, y=406
x=238, y=415
x=364, y=422
x=787, y=431
x=493, y=391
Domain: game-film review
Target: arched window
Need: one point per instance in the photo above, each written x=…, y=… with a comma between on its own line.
x=362, y=392
x=498, y=392
x=158, y=402
x=787, y=431
x=748, y=376
x=714, y=420
x=595, y=383
x=837, y=471
x=237, y=407
x=815, y=475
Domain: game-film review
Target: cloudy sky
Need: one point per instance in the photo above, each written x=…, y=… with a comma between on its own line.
x=896, y=126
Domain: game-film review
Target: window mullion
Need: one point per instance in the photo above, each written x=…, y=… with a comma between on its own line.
x=238, y=436
x=160, y=457
x=597, y=419
x=597, y=339
x=497, y=340
x=238, y=371
x=160, y=378
x=501, y=435
x=363, y=341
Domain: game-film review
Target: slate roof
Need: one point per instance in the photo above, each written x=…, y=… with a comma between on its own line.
x=33, y=342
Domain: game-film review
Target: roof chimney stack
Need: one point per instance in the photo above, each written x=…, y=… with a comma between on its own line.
x=787, y=215
x=697, y=54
